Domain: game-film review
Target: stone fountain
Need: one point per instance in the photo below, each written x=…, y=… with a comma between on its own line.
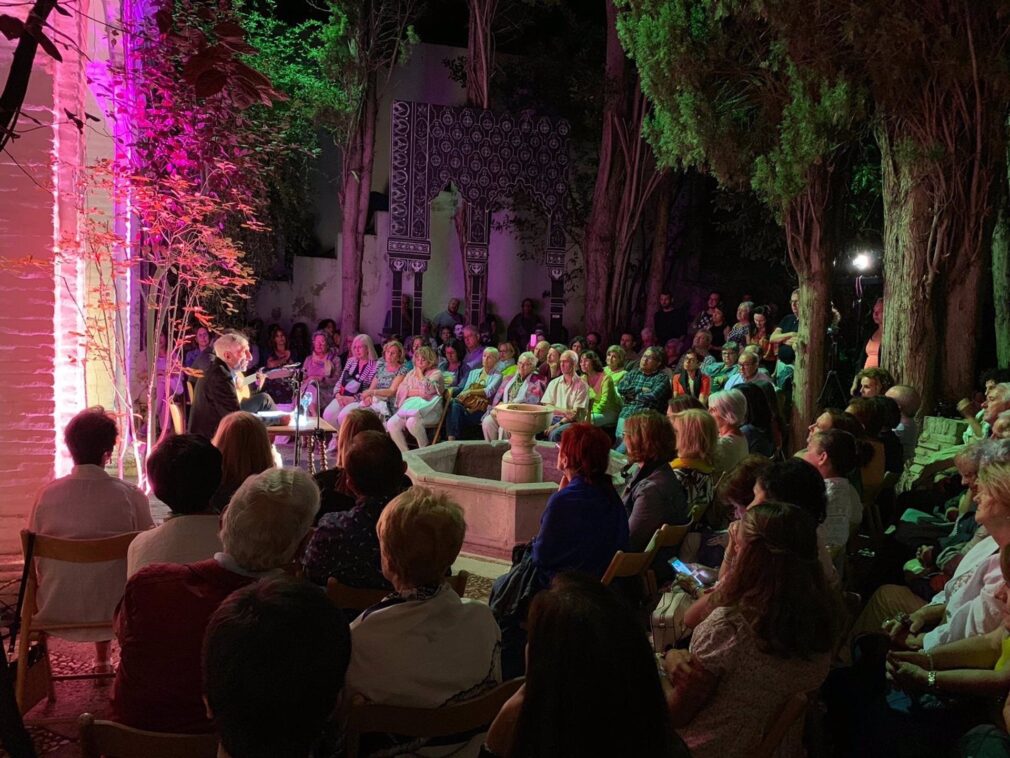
x=502, y=487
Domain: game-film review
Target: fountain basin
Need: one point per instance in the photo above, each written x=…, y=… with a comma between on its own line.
x=498, y=514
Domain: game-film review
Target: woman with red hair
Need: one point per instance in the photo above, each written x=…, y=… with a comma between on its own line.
x=584, y=524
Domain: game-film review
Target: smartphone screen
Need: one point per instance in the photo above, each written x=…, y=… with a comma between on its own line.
x=680, y=567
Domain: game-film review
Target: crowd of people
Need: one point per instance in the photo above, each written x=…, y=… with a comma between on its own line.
x=223, y=624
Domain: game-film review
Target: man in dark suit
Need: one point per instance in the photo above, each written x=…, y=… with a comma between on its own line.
x=216, y=392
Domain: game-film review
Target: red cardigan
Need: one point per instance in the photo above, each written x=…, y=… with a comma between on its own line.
x=702, y=385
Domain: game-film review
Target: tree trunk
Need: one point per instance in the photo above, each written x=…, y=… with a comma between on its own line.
x=16, y=87
x=598, y=244
x=961, y=329
x=1001, y=283
x=657, y=262
x=354, y=213
x=910, y=341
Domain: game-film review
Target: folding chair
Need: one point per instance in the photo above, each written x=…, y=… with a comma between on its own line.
x=446, y=400
x=459, y=718
x=668, y=536
x=71, y=551
x=107, y=738
x=631, y=565
x=178, y=418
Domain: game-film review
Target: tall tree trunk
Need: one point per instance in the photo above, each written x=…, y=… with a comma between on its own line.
x=357, y=178
x=910, y=341
x=964, y=290
x=16, y=87
x=598, y=244
x=1001, y=283
x=810, y=251
x=657, y=262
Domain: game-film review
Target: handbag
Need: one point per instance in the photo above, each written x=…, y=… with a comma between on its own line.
x=353, y=387
x=474, y=401
x=668, y=619
x=511, y=600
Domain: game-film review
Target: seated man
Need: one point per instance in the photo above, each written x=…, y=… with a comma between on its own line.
x=566, y=395
x=274, y=659
x=470, y=402
x=424, y=646
x=644, y=388
x=161, y=620
x=344, y=544
x=627, y=343
x=721, y=372
x=185, y=472
x=524, y=386
x=701, y=345
x=908, y=401
x=217, y=391
x=749, y=370
x=87, y=504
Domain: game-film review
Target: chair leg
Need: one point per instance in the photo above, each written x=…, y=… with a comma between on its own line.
x=22, y=672
x=51, y=695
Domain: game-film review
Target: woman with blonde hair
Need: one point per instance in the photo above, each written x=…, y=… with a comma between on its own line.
x=695, y=432
x=245, y=450
x=355, y=378
x=380, y=397
x=418, y=400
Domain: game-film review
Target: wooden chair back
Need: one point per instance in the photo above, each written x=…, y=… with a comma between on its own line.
x=364, y=717
x=779, y=724
x=627, y=564
x=358, y=599
x=107, y=738
x=668, y=536
x=440, y=427
x=70, y=551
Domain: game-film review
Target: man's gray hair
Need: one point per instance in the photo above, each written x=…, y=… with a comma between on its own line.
x=268, y=517
x=229, y=342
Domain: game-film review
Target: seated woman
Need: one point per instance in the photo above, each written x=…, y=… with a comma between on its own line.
x=584, y=524
x=423, y=646
x=616, y=361
x=695, y=432
x=758, y=426
x=334, y=494
x=245, y=450
x=605, y=402
x=320, y=368
x=452, y=363
x=380, y=397
x=359, y=370
x=690, y=380
x=740, y=331
x=550, y=369
x=278, y=357
x=614, y=707
x=524, y=386
x=506, y=365
x=418, y=401
x=653, y=496
x=772, y=631
x=729, y=410
x=760, y=337
x=471, y=401
x=184, y=471
x=344, y=544
x=87, y=504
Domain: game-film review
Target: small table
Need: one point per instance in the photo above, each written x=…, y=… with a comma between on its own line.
x=307, y=428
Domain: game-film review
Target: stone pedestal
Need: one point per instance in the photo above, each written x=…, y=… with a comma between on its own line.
x=522, y=463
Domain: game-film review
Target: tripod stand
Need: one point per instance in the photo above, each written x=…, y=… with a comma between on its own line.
x=832, y=392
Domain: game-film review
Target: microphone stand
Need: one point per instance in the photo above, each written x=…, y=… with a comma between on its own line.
x=317, y=435
x=295, y=382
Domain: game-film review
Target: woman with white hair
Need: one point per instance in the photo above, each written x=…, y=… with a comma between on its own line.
x=355, y=378
x=524, y=386
x=423, y=646
x=729, y=411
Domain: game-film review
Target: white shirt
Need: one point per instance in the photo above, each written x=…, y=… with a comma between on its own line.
x=729, y=450
x=970, y=597
x=85, y=505
x=181, y=539
x=845, y=509
x=568, y=397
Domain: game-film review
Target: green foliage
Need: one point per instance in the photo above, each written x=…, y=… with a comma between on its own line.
x=737, y=93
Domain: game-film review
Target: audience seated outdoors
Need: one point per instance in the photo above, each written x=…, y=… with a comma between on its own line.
x=184, y=472
x=758, y=426
x=274, y=659
x=524, y=386
x=569, y=707
x=86, y=504
x=344, y=544
x=319, y=368
x=719, y=373
x=423, y=646
x=161, y=621
x=451, y=364
x=748, y=371
x=691, y=380
x=616, y=362
x=907, y=430
x=245, y=450
x=380, y=396
x=771, y=631
x=605, y=402
x=334, y=494
x=628, y=344
x=418, y=401
x=583, y=525
x=567, y=396
x=834, y=453
x=474, y=349
x=471, y=401
x=695, y=433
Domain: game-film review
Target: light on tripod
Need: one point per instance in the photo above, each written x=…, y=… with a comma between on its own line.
x=862, y=262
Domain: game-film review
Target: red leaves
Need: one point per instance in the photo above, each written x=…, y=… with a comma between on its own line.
x=210, y=82
x=10, y=26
